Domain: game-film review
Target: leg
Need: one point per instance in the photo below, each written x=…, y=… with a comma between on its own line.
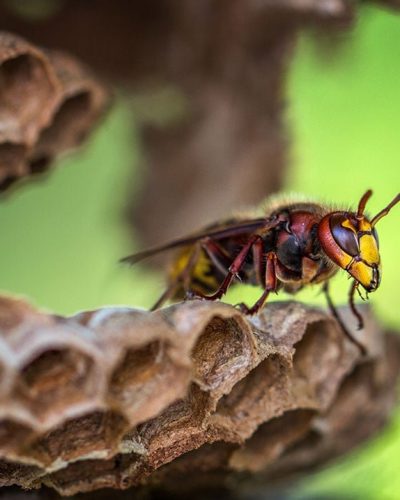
x=222, y=261
x=182, y=277
x=353, y=289
x=234, y=269
x=217, y=255
x=259, y=262
x=167, y=294
x=237, y=264
x=270, y=285
x=335, y=314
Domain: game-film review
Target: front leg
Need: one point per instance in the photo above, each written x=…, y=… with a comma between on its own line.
x=270, y=285
x=336, y=315
x=352, y=305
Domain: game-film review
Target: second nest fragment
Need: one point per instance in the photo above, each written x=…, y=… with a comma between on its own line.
x=49, y=102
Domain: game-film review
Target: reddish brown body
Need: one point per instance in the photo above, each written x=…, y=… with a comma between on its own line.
x=299, y=257
x=292, y=245
x=286, y=253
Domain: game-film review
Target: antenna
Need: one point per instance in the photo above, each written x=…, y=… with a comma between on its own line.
x=385, y=211
x=361, y=206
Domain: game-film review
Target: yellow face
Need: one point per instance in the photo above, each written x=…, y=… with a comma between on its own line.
x=350, y=240
x=358, y=240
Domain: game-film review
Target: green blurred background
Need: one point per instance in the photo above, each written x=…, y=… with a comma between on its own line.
x=64, y=235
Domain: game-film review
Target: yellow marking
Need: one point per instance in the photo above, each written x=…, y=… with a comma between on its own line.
x=349, y=225
x=362, y=273
x=369, y=249
x=368, y=246
x=365, y=225
x=200, y=270
x=179, y=264
x=342, y=258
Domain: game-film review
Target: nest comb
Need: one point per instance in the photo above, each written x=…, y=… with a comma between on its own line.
x=188, y=396
x=48, y=104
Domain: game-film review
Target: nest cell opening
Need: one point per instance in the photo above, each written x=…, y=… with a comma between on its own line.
x=146, y=381
x=26, y=92
x=55, y=378
x=259, y=394
x=69, y=127
x=77, y=476
x=271, y=439
x=313, y=363
x=223, y=347
x=99, y=431
x=137, y=367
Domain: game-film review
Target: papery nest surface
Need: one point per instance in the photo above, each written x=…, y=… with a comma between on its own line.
x=49, y=102
x=183, y=397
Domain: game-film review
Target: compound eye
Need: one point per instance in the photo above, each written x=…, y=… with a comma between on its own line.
x=344, y=237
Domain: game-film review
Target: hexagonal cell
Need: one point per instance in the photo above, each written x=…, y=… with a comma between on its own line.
x=259, y=396
x=221, y=354
x=146, y=381
x=306, y=453
x=138, y=365
x=312, y=347
x=316, y=367
x=177, y=429
x=260, y=386
x=116, y=472
x=69, y=127
x=55, y=379
x=271, y=439
x=94, y=433
x=357, y=409
x=26, y=96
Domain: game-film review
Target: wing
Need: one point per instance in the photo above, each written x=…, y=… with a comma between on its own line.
x=216, y=233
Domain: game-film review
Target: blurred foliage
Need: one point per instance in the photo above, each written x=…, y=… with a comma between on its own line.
x=345, y=110
x=64, y=235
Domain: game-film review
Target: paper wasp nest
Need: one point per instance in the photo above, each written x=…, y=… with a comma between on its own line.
x=190, y=395
x=48, y=104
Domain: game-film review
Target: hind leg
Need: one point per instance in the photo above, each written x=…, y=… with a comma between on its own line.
x=233, y=270
x=181, y=279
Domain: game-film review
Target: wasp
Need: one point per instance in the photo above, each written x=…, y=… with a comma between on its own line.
x=292, y=244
